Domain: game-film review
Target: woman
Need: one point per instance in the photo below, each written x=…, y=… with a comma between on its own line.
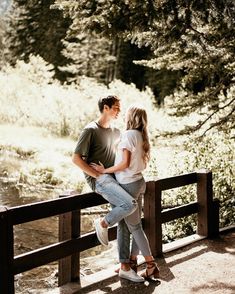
x=131, y=159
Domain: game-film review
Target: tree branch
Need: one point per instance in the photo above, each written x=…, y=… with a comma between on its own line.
x=222, y=120
x=213, y=113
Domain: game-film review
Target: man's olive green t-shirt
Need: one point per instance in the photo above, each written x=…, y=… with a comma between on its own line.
x=97, y=144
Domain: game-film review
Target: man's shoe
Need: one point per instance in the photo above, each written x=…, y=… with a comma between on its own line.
x=130, y=275
x=102, y=233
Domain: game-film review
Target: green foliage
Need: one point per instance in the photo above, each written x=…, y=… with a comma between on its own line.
x=89, y=55
x=193, y=37
x=217, y=153
x=62, y=109
x=33, y=28
x=180, y=228
x=109, y=17
x=2, y=29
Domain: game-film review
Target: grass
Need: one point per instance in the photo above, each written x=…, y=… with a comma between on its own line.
x=31, y=157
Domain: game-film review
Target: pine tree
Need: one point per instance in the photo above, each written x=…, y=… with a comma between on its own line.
x=89, y=55
x=194, y=38
x=36, y=29
x=2, y=29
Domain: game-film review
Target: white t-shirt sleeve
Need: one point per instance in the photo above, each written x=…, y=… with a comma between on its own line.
x=128, y=141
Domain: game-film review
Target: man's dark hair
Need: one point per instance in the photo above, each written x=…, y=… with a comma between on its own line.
x=109, y=100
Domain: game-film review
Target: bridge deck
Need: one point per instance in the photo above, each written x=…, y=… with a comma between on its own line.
x=207, y=266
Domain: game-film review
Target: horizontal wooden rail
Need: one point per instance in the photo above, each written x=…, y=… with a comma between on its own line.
x=48, y=208
x=50, y=253
x=177, y=181
x=178, y=212
x=62, y=249
x=71, y=243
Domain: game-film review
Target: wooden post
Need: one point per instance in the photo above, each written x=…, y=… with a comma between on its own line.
x=152, y=217
x=64, y=275
x=69, y=228
x=75, y=258
x=208, y=214
x=6, y=253
x=214, y=228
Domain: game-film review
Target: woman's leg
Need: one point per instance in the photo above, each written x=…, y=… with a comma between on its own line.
x=122, y=202
x=133, y=220
x=134, y=247
x=134, y=225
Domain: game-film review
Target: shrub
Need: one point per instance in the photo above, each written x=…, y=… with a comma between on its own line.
x=214, y=152
x=34, y=99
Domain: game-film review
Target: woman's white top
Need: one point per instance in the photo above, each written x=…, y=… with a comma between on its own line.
x=131, y=140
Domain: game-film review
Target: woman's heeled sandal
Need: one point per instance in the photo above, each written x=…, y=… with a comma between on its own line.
x=151, y=270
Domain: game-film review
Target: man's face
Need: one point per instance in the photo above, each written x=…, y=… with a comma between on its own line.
x=114, y=111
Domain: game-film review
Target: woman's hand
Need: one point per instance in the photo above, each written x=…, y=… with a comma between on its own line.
x=98, y=167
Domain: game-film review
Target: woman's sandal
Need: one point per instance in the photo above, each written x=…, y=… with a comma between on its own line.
x=151, y=270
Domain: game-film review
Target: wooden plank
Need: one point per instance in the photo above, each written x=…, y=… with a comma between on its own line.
x=204, y=199
x=178, y=212
x=152, y=217
x=177, y=181
x=6, y=252
x=64, y=266
x=174, y=245
x=214, y=222
x=75, y=258
x=39, y=210
x=57, y=251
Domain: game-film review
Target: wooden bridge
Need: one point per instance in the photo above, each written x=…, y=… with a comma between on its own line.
x=71, y=242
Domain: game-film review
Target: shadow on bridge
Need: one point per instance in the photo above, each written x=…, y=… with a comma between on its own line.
x=203, y=267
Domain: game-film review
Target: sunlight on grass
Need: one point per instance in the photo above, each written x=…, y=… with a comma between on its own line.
x=49, y=161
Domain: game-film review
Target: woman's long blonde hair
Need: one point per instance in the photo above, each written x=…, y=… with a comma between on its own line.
x=136, y=119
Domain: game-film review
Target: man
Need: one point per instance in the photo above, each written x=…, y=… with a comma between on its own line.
x=97, y=144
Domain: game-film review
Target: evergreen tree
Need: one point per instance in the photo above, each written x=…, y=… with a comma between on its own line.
x=2, y=29
x=89, y=55
x=4, y=16
x=36, y=29
x=194, y=38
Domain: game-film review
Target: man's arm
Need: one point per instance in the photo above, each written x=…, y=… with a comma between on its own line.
x=77, y=159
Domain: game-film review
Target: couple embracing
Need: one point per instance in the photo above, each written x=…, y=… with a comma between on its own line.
x=113, y=166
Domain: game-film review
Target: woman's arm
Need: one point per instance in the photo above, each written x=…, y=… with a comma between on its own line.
x=126, y=158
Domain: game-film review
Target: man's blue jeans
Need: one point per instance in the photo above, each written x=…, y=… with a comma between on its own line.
x=121, y=201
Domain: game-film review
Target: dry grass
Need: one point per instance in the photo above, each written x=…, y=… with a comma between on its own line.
x=31, y=156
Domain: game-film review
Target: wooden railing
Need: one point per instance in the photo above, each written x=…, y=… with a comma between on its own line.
x=71, y=243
